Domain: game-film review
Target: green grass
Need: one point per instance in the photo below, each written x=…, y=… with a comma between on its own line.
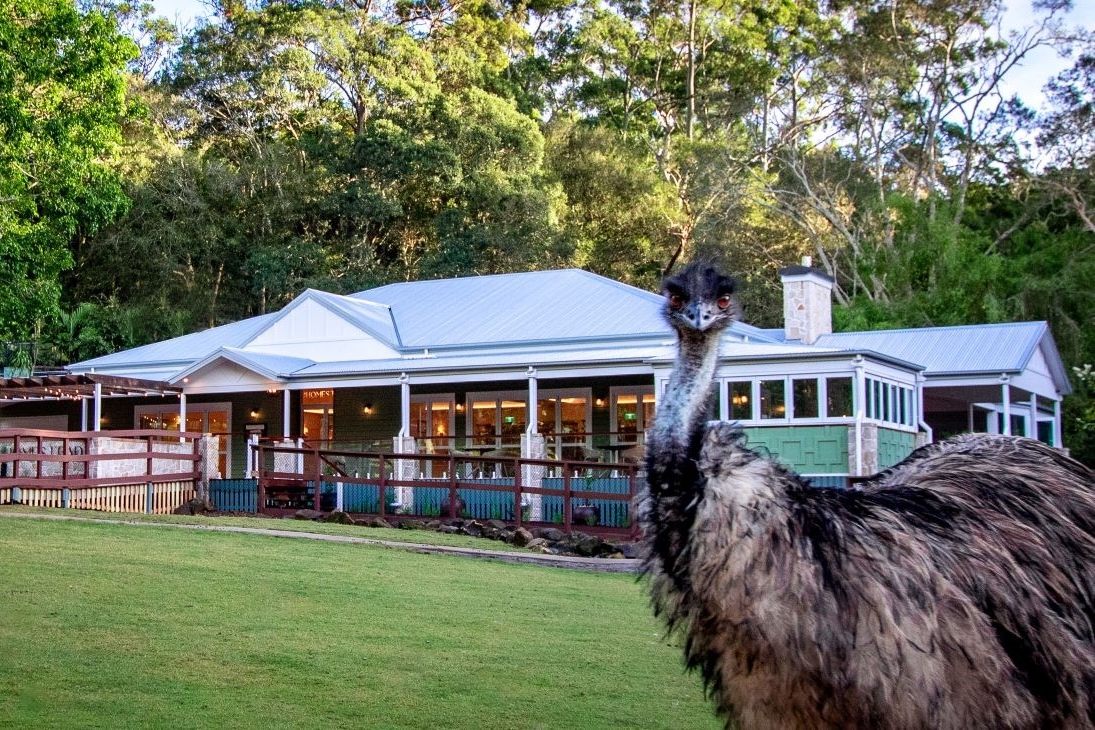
x=422, y=537
x=112, y=625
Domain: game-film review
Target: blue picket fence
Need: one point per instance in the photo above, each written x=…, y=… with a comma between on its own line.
x=614, y=513
x=478, y=503
x=234, y=495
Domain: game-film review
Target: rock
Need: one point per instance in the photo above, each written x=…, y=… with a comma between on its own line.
x=630, y=549
x=449, y=529
x=411, y=525
x=473, y=528
x=522, y=537
x=375, y=522
x=340, y=517
x=537, y=542
x=195, y=506
x=307, y=514
x=583, y=544
x=496, y=525
x=550, y=534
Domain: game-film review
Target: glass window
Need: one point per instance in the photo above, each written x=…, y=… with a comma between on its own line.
x=432, y=419
x=805, y=393
x=741, y=400
x=483, y=419
x=838, y=398
x=627, y=416
x=211, y=418
x=773, y=403
x=634, y=413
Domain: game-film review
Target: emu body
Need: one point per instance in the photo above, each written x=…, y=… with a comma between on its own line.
x=954, y=590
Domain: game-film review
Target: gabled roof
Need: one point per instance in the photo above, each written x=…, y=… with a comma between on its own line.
x=536, y=306
x=369, y=317
x=270, y=366
x=180, y=351
x=985, y=349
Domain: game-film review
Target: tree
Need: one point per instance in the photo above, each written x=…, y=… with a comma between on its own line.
x=62, y=105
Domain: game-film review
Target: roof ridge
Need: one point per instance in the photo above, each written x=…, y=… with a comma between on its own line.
x=928, y=328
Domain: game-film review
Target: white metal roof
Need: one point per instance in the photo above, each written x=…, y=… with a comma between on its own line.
x=987, y=349
x=559, y=305
x=544, y=317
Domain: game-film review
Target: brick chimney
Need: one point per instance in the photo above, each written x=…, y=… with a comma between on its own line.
x=807, y=302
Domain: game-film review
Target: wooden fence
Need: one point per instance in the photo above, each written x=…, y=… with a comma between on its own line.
x=591, y=496
x=149, y=471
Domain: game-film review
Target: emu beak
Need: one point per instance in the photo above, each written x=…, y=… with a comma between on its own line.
x=699, y=315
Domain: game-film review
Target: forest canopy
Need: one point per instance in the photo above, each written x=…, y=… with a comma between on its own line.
x=158, y=180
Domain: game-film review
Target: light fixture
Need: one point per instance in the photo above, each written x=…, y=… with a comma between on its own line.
x=367, y=409
x=600, y=402
x=255, y=413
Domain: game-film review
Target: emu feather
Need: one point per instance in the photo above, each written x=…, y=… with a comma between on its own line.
x=954, y=590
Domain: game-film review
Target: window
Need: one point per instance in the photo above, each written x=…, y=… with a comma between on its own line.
x=211, y=418
x=889, y=403
x=741, y=400
x=773, y=403
x=563, y=418
x=838, y=398
x=632, y=413
x=805, y=394
x=432, y=418
x=499, y=419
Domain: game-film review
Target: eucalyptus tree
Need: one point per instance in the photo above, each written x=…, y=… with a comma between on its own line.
x=911, y=114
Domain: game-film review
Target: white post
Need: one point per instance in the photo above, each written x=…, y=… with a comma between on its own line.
x=532, y=422
x=1006, y=394
x=285, y=414
x=98, y=407
x=404, y=405
x=182, y=413
x=1057, y=423
x=860, y=412
x=83, y=413
x=1032, y=424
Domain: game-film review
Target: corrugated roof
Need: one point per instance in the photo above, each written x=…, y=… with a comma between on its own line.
x=185, y=349
x=562, y=304
x=985, y=348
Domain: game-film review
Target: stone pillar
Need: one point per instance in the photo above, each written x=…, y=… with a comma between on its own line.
x=868, y=463
x=533, y=446
x=209, y=453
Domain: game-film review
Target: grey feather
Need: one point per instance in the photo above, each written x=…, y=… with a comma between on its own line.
x=954, y=590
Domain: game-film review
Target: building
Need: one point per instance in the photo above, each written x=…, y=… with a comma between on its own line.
x=473, y=364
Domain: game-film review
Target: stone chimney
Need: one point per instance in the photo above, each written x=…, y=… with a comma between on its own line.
x=807, y=302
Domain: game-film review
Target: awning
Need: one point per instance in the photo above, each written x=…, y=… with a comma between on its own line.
x=67, y=386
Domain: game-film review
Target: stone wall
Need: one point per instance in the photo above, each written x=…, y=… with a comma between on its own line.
x=138, y=467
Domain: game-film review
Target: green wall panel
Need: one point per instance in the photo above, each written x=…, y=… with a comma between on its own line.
x=894, y=446
x=806, y=449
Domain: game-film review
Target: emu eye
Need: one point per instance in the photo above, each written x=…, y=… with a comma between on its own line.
x=676, y=301
x=724, y=301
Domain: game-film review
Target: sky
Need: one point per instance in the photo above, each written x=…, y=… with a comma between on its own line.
x=1026, y=81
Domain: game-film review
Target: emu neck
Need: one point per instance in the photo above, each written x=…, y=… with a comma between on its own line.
x=683, y=409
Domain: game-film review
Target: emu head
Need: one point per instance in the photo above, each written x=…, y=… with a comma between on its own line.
x=699, y=299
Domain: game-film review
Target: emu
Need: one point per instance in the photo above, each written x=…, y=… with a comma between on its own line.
x=955, y=590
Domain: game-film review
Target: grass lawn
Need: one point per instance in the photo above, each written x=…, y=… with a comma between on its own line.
x=113, y=626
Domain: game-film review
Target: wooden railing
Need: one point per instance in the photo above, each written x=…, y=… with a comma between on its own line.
x=118, y=471
x=524, y=491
